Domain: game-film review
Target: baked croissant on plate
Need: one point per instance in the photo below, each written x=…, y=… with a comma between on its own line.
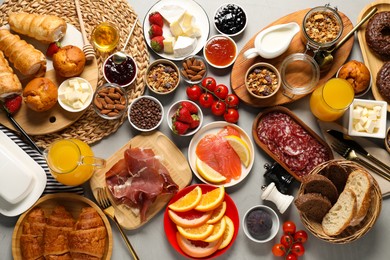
x=25, y=58
x=9, y=82
x=31, y=240
x=44, y=28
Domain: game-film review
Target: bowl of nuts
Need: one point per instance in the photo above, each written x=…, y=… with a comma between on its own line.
x=162, y=76
x=194, y=69
x=110, y=101
x=262, y=80
x=145, y=113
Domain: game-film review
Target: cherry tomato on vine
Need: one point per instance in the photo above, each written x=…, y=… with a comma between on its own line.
x=291, y=256
x=289, y=227
x=221, y=91
x=209, y=83
x=194, y=92
x=278, y=250
x=206, y=100
x=232, y=100
x=300, y=236
x=286, y=240
x=298, y=249
x=231, y=115
x=218, y=108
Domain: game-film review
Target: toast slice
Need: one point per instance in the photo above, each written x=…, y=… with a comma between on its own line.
x=317, y=183
x=313, y=205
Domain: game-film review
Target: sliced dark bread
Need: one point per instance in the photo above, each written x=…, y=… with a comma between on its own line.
x=317, y=183
x=336, y=174
x=313, y=205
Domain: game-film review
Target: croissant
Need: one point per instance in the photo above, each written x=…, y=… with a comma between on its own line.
x=25, y=58
x=31, y=240
x=9, y=82
x=88, y=240
x=44, y=28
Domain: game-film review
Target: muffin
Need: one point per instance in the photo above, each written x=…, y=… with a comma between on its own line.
x=69, y=61
x=356, y=73
x=40, y=94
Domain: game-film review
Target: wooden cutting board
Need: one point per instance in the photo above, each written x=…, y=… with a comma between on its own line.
x=171, y=157
x=373, y=62
x=241, y=65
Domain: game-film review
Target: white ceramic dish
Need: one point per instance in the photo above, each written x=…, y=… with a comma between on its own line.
x=15, y=162
x=131, y=107
x=195, y=9
x=173, y=109
x=214, y=128
x=219, y=47
x=381, y=132
x=69, y=108
x=225, y=5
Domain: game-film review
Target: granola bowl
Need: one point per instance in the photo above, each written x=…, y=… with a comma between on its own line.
x=162, y=76
x=262, y=80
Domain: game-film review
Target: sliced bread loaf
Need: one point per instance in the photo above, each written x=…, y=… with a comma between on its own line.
x=337, y=174
x=313, y=205
x=341, y=214
x=360, y=182
x=317, y=183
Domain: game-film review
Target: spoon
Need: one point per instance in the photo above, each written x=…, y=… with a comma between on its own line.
x=120, y=56
x=324, y=58
x=87, y=48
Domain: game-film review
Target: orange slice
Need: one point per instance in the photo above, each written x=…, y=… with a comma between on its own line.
x=196, y=233
x=218, y=231
x=217, y=213
x=188, y=201
x=212, y=199
x=228, y=234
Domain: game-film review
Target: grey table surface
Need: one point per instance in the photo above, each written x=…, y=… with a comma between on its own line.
x=150, y=241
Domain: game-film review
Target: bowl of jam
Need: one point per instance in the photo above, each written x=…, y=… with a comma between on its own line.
x=230, y=19
x=220, y=51
x=122, y=74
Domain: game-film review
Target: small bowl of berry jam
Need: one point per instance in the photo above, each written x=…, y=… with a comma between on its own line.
x=220, y=51
x=230, y=19
x=122, y=74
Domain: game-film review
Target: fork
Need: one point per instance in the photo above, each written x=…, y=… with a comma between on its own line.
x=105, y=203
x=350, y=154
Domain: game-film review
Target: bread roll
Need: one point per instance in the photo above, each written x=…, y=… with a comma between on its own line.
x=9, y=82
x=356, y=73
x=31, y=240
x=25, y=58
x=40, y=94
x=69, y=61
x=44, y=28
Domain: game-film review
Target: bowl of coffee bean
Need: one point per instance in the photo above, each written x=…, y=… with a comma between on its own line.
x=145, y=113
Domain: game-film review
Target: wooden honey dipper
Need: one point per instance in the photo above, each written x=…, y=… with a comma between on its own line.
x=87, y=48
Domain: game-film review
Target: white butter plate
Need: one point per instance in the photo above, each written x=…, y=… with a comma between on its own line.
x=201, y=20
x=15, y=163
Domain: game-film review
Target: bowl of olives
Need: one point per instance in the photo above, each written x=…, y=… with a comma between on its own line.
x=261, y=224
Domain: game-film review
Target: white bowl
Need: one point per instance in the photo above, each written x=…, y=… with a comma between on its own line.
x=275, y=224
x=66, y=106
x=380, y=130
x=237, y=6
x=173, y=109
x=213, y=38
x=141, y=114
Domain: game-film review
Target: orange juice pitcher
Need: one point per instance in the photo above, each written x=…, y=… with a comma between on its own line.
x=72, y=161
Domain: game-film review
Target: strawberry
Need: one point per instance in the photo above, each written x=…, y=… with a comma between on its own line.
x=184, y=115
x=155, y=30
x=191, y=107
x=156, y=18
x=195, y=121
x=180, y=128
x=157, y=43
x=53, y=48
x=13, y=103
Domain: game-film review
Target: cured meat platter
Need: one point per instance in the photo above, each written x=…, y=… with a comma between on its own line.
x=241, y=65
x=170, y=156
x=370, y=59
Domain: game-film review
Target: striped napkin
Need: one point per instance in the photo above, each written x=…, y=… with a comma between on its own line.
x=52, y=186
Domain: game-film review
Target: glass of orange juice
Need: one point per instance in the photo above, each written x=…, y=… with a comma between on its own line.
x=331, y=100
x=72, y=161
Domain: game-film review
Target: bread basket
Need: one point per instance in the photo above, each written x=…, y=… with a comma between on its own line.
x=350, y=233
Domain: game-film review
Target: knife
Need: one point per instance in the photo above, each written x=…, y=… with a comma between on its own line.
x=347, y=140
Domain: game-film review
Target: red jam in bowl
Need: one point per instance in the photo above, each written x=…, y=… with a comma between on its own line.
x=220, y=51
x=122, y=74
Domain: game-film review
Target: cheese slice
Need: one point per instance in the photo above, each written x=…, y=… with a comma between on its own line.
x=169, y=42
x=172, y=13
x=184, y=46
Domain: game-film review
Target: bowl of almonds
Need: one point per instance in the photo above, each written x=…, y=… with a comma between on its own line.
x=110, y=101
x=193, y=69
x=162, y=76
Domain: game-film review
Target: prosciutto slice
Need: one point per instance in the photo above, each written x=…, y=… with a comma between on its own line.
x=138, y=179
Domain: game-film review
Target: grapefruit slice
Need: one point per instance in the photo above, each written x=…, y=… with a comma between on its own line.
x=188, y=201
x=197, y=249
x=192, y=218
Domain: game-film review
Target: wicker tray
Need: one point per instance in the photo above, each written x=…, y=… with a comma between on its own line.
x=90, y=127
x=350, y=233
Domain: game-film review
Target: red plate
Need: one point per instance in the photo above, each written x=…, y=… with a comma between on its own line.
x=170, y=227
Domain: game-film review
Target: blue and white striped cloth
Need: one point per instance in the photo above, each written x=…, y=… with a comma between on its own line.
x=52, y=186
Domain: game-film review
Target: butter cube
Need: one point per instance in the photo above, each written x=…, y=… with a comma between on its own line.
x=357, y=112
x=369, y=126
x=372, y=114
x=169, y=42
x=365, y=111
x=358, y=127
x=77, y=104
x=84, y=87
x=363, y=120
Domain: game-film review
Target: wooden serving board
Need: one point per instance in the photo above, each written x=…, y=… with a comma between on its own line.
x=242, y=64
x=171, y=157
x=55, y=119
x=73, y=203
x=373, y=62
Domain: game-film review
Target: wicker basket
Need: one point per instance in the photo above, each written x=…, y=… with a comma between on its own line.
x=350, y=233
